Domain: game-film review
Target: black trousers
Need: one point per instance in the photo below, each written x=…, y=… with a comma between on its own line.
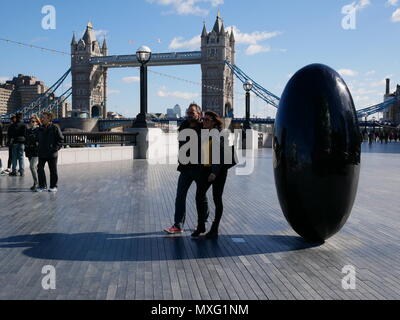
x=52, y=162
x=186, y=179
x=9, y=156
x=217, y=189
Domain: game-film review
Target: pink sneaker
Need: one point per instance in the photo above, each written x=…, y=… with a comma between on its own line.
x=173, y=230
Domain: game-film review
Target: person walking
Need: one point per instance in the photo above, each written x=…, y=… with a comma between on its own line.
x=1, y=134
x=18, y=135
x=188, y=173
x=214, y=173
x=32, y=149
x=9, y=145
x=50, y=141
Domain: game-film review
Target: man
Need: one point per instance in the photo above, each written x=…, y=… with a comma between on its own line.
x=9, y=144
x=17, y=132
x=188, y=173
x=50, y=141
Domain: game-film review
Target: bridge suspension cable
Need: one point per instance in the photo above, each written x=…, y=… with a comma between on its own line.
x=44, y=101
x=239, y=93
x=376, y=108
x=257, y=89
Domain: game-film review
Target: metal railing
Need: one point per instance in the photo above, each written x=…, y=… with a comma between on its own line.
x=86, y=139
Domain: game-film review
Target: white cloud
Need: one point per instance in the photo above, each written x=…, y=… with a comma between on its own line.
x=113, y=91
x=254, y=37
x=361, y=98
x=363, y=4
x=370, y=73
x=180, y=43
x=393, y=3
x=251, y=39
x=378, y=83
x=348, y=72
x=130, y=79
x=363, y=91
x=381, y=83
x=256, y=48
x=163, y=93
x=4, y=79
x=188, y=7
x=396, y=16
x=66, y=85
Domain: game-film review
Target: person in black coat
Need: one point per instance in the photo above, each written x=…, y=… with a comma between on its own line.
x=189, y=173
x=9, y=144
x=32, y=149
x=214, y=172
x=17, y=134
x=50, y=141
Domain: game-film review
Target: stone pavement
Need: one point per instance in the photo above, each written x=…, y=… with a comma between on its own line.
x=102, y=233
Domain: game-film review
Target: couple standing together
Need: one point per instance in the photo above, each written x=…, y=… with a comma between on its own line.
x=204, y=173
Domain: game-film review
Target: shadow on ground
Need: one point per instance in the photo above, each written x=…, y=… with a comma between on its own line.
x=147, y=246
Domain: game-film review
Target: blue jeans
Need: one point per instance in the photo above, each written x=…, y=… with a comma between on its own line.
x=186, y=179
x=18, y=157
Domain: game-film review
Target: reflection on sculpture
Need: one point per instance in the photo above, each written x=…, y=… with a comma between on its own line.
x=317, y=148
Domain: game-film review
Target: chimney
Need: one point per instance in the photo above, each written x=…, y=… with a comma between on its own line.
x=387, y=87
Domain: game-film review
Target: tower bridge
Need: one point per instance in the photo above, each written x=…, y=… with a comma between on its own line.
x=90, y=63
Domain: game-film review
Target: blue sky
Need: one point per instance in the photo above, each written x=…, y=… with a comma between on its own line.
x=275, y=39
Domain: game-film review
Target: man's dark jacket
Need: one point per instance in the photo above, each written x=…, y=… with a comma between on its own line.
x=50, y=141
x=17, y=132
x=198, y=126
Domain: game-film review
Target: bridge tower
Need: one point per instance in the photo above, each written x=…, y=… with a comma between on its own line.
x=217, y=79
x=89, y=82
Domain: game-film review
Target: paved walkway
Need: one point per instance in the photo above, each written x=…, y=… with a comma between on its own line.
x=102, y=234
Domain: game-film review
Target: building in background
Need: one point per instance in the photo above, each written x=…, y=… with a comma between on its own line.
x=392, y=113
x=174, y=113
x=8, y=98
x=28, y=88
x=171, y=114
x=64, y=110
x=114, y=115
x=89, y=82
x=217, y=47
x=178, y=111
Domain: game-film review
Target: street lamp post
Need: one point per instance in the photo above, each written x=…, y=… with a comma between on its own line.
x=247, y=86
x=143, y=55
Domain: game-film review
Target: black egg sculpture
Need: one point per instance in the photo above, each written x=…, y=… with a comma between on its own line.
x=316, y=152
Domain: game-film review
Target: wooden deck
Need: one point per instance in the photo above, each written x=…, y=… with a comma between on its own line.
x=102, y=233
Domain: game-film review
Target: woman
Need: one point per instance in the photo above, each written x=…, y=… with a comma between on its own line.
x=212, y=173
x=32, y=149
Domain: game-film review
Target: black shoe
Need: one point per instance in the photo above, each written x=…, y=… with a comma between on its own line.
x=213, y=233
x=13, y=174
x=22, y=175
x=33, y=188
x=199, y=231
